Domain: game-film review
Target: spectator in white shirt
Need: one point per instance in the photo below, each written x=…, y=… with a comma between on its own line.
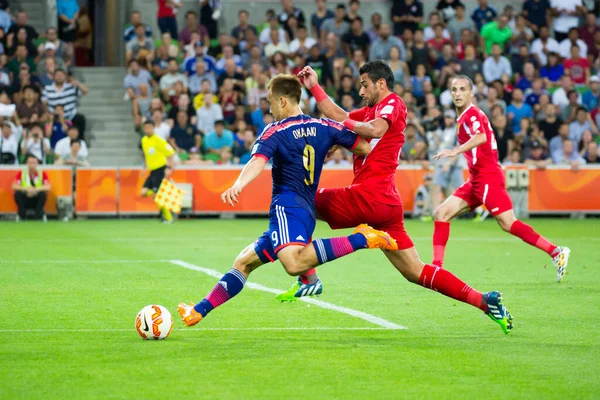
x=495, y=65
x=161, y=127
x=74, y=158
x=544, y=45
x=302, y=44
x=566, y=12
x=9, y=145
x=565, y=45
x=207, y=115
x=560, y=96
x=63, y=146
x=428, y=32
x=35, y=143
x=276, y=45
x=266, y=37
x=167, y=82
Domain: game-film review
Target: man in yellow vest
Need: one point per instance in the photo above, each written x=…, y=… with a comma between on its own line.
x=159, y=160
x=31, y=188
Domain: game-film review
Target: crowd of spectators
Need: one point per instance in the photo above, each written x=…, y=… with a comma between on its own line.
x=38, y=90
x=536, y=71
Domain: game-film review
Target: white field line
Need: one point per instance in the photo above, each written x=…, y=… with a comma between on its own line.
x=258, y=328
x=329, y=306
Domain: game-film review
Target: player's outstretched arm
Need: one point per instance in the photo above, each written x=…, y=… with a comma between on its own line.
x=370, y=130
x=475, y=141
x=310, y=79
x=250, y=172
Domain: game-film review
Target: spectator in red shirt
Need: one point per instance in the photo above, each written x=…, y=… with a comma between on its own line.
x=31, y=188
x=166, y=16
x=577, y=67
x=438, y=41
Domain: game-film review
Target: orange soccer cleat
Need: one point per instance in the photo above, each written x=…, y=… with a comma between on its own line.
x=189, y=316
x=376, y=239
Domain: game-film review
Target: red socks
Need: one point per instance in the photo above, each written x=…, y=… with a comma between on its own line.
x=443, y=281
x=441, y=233
x=530, y=236
x=309, y=276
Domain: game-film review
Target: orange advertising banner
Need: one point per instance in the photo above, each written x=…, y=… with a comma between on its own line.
x=110, y=191
x=96, y=191
x=130, y=184
x=564, y=190
x=61, y=184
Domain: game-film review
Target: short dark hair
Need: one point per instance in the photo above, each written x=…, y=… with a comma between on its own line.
x=57, y=70
x=573, y=29
x=148, y=122
x=220, y=122
x=378, y=69
x=466, y=78
x=242, y=11
x=133, y=60
x=341, y=6
x=191, y=12
x=73, y=141
x=73, y=127
x=287, y=86
x=582, y=108
x=30, y=155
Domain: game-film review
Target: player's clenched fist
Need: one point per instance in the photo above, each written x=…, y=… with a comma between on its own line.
x=231, y=195
x=308, y=77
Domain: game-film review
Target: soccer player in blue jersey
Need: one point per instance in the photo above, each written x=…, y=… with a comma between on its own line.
x=298, y=145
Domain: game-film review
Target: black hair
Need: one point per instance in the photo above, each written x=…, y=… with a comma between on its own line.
x=30, y=155
x=341, y=6
x=148, y=122
x=378, y=69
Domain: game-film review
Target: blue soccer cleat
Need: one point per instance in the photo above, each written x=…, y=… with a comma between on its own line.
x=300, y=289
x=497, y=311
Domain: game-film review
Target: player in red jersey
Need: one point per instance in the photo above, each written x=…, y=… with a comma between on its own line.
x=373, y=198
x=486, y=184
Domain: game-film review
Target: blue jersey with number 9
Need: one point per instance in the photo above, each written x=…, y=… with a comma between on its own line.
x=298, y=147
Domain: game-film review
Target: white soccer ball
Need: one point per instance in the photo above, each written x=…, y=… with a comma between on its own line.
x=154, y=322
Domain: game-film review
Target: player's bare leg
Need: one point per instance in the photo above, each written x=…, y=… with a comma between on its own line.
x=433, y=277
x=297, y=260
x=451, y=207
x=560, y=255
x=228, y=286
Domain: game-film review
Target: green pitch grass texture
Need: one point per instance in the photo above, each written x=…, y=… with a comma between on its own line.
x=69, y=294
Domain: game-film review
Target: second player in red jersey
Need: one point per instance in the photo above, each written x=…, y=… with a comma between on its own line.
x=486, y=182
x=373, y=198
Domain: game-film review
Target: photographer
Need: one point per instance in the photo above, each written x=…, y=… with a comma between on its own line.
x=31, y=188
x=35, y=143
x=9, y=145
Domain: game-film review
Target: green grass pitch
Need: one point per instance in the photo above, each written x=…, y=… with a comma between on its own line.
x=69, y=294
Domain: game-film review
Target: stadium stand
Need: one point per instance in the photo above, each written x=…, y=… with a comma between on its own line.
x=527, y=60
x=504, y=50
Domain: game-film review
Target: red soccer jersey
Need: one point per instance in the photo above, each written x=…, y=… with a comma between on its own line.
x=483, y=159
x=377, y=171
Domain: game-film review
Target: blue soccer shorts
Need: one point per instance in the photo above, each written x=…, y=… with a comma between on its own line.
x=288, y=226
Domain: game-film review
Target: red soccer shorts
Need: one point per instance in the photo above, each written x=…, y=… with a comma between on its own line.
x=347, y=207
x=493, y=196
